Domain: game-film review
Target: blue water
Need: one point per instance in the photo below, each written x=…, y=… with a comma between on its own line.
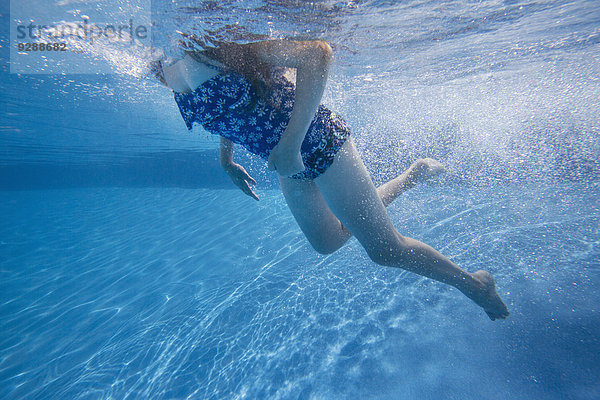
x=152, y=293
x=130, y=267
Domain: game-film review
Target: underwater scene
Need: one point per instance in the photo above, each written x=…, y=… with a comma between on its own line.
x=132, y=267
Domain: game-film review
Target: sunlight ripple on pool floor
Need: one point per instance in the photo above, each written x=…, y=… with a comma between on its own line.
x=150, y=293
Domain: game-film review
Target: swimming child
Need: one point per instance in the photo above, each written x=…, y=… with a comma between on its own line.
x=242, y=92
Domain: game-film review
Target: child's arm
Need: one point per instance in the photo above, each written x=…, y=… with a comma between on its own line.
x=311, y=60
x=236, y=172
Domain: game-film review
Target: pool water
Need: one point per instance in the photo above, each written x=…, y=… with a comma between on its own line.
x=131, y=267
x=197, y=293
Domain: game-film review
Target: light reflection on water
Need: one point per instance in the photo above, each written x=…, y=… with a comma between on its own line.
x=149, y=293
x=494, y=89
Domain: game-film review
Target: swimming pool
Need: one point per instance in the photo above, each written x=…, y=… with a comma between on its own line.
x=131, y=268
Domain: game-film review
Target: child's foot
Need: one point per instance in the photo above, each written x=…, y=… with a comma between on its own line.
x=488, y=298
x=425, y=168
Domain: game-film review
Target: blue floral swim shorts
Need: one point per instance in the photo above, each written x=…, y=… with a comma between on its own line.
x=228, y=106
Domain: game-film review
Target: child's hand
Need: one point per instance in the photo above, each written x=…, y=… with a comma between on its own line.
x=241, y=179
x=285, y=160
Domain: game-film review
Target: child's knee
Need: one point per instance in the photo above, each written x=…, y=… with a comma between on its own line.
x=324, y=248
x=390, y=253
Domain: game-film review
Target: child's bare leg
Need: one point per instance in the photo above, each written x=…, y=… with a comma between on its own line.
x=322, y=229
x=419, y=171
x=418, y=257
x=350, y=194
